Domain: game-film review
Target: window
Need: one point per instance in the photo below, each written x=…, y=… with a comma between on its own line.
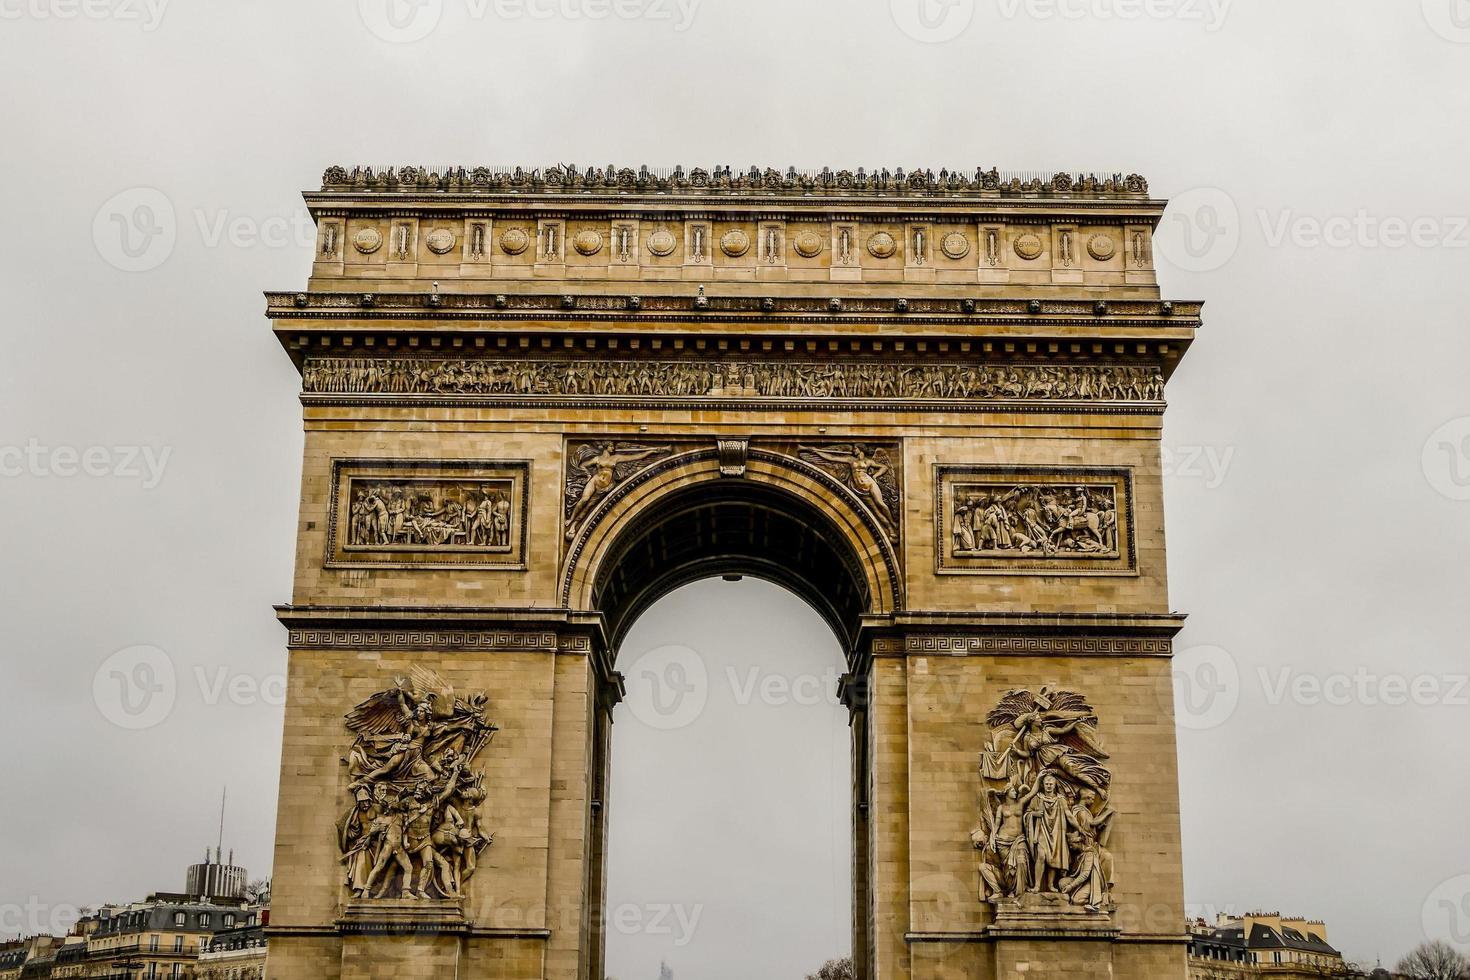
x=152, y=944
x=204, y=920
x=178, y=944
x=179, y=919
x=229, y=921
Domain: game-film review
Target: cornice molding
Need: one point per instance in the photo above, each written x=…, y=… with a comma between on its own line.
x=559, y=179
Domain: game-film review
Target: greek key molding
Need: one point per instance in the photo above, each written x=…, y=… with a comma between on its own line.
x=1053, y=646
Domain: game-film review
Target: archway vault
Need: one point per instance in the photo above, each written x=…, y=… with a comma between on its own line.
x=780, y=519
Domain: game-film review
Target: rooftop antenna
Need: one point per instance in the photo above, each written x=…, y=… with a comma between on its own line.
x=221, y=845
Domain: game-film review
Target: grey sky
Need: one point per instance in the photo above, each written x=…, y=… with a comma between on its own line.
x=1323, y=540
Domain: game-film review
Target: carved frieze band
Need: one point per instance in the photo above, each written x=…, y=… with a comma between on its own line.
x=399, y=639
x=1056, y=646
x=1007, y=519
x=732, y=379
x=410, y=513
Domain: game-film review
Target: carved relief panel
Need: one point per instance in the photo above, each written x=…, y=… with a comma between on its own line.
x=427, y=514
x=412, y=828
x=1046, y=815
x=1004, y=520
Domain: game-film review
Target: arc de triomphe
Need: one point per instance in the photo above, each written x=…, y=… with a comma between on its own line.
x=537, y=401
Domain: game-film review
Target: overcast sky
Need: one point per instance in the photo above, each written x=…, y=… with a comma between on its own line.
x=1319, y=430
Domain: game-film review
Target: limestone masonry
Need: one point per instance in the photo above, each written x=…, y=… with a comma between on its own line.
x=536, y=401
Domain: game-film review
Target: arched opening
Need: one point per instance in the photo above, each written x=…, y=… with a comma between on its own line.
x=732, y=527
x=729, y=849
x=779, y=522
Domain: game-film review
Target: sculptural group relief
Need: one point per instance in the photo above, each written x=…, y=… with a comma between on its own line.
x=869, y=471
x=732, y=378
x=594, y=469
x=1044, y=520
x=1045, y=811
x=413, y=827
x=430, y=513
x=427, y=512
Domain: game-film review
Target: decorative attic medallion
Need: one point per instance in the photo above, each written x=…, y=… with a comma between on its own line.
x=514, y=242
x=735, y=243
x=440, y=241
x=1046, y=816
x=413, y=827
x=882, y=245
x=1101, y=247
x=1028, y=247
x=808, y=244
x=955, y=245
x=588, y=242
x=368, y=241
x=661, y=243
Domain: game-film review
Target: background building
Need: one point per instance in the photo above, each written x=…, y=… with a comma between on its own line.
x=1262, y=944
x=235, y=954
x=216, y=878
